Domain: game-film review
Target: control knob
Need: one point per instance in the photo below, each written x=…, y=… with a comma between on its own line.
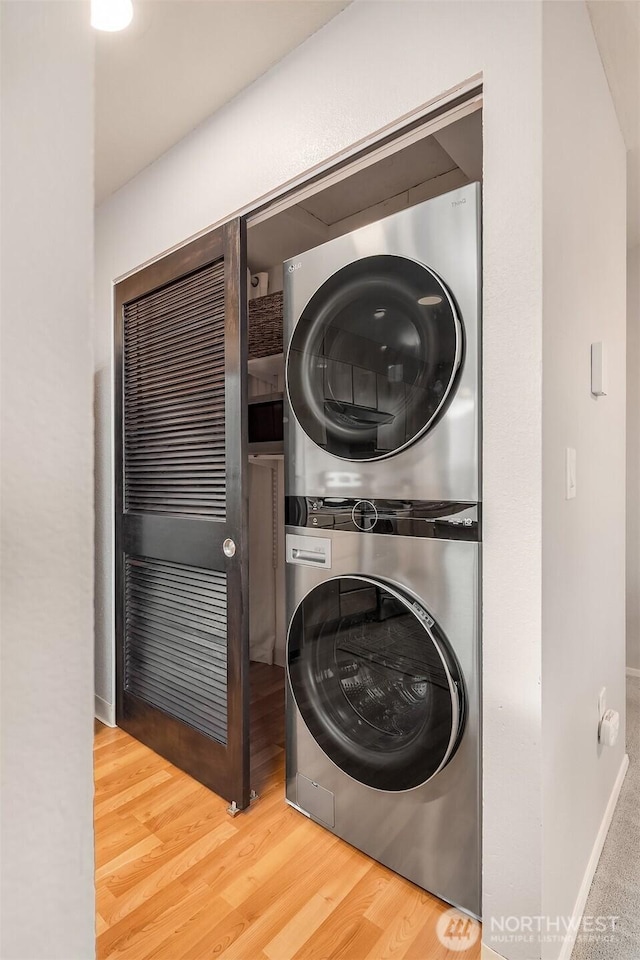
x=364, y=515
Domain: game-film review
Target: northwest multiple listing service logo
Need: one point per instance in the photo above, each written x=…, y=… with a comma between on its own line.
x=456, y=931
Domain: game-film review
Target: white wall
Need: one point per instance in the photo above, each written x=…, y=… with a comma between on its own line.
x=583, y=552
x=633, y=458
x=47, y=486
x=327, y=95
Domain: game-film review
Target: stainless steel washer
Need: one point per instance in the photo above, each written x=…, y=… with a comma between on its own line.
x=382, y=367
x=382, y=459
x=383, y=705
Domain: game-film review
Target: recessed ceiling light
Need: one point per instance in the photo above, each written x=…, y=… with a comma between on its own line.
x=111, y=15
x=429, y=301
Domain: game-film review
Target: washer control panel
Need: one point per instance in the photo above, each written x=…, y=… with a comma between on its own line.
x=442, y=520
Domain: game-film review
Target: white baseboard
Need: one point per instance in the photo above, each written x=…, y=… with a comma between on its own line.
x=105, y=712
x=633, y=672
x=585, y=886
x=486, y=953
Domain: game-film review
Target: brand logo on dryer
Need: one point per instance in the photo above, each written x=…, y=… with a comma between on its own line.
x=294, y=266
x=454, y=203
x=422, y=613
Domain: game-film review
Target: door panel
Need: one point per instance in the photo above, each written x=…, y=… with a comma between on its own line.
x=174, y=404
x=181, y=603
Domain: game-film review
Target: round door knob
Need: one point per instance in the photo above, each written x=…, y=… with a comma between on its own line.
x=228, y=547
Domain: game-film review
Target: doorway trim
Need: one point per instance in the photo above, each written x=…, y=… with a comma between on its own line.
x=451, y=105
x=383, y=146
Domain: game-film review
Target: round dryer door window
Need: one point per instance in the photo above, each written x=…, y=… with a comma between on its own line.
x=374, y=357
x=375, y=682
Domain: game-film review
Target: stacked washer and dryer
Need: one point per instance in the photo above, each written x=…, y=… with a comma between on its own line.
x=382, y=453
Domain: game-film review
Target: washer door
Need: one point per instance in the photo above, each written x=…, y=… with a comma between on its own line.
x=374, y=357
x=376, y=682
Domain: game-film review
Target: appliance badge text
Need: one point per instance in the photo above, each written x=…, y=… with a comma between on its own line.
x=294, y=266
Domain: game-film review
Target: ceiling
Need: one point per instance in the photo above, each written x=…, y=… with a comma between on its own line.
x=616, y=25
x=181, y=60
x=178, y=63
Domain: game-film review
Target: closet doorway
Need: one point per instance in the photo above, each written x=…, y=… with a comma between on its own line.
x=200, y=622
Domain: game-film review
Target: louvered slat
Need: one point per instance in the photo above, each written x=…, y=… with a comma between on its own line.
x=174, y=409
x=175, y=644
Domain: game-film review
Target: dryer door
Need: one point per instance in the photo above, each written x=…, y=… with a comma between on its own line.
x=376, y=682
x=373, y=357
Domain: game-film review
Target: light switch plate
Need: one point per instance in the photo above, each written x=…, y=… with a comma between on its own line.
x=570, y=473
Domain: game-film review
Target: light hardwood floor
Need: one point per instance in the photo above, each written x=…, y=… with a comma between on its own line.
x=178, y=879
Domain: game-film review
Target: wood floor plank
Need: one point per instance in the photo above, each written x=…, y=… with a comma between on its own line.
x=400, y=924
x=347, y=925
x=104, y=736
x=220, y=940
x=126, y=857
x=135, y=871
x=356, y=941
x=294, y=934
x=116, y=836
x=154, y=922
x=166, y=795
x=267, y=866
x=118, y=800
x=237, y=857
x=264, y=774
x=191, y=808
x=111, y=748
x=129, y=774
x=178, y=879
x=240, y=935
x=398, y=894
x=291, y=887
x=193, y=932
x=119, y=756
x=168, y=872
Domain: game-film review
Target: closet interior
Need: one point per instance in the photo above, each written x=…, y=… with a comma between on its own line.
x=421, y=164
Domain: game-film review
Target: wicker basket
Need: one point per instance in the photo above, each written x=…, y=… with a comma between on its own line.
x=265, y=325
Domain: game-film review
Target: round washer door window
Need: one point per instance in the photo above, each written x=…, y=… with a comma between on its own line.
x=376, y=682
x=373, y=357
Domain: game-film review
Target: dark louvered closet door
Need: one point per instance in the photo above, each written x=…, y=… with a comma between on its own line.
x=181, y=586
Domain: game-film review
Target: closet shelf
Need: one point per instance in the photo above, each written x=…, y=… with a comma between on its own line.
x=266, y=397
x=267, y=369
x=269, y=448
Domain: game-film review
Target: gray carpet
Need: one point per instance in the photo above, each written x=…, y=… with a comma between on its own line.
x=615, y=890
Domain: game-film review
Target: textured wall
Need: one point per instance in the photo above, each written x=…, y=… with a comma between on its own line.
x=583, y=557
x=47, y=488
x=366, y=69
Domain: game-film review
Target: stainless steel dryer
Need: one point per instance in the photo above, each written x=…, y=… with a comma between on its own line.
x=382, y=366
x=383, y=711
